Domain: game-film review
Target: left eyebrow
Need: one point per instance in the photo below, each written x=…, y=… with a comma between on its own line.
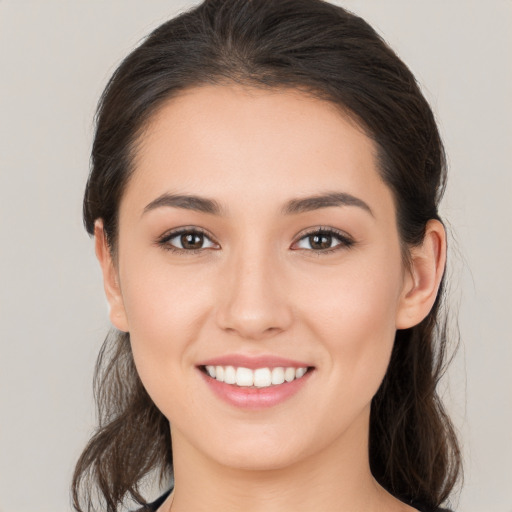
x=327, y=200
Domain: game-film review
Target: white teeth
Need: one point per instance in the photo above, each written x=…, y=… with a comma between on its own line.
x=277, y=376
x=259, y=378
x=229, y=375
x=262, y=378
x=244, y=377
x=289, y=374
x=300, y=372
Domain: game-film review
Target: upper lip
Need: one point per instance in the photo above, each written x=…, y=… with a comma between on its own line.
x=253, y=362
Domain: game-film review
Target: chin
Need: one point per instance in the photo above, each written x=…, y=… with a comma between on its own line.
x=267, y=447
x=261, y=459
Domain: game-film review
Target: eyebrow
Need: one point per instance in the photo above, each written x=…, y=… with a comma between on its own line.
x=326, y=200
x=187, y=202
x=294, y=206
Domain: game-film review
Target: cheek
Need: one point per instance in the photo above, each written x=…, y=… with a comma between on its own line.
x=363, y=296
x=354, y=316
x=165, y=308
x=160, y=298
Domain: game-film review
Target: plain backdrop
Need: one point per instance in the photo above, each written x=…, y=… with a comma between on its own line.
x=55, y=58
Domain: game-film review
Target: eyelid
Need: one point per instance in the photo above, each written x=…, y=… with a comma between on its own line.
x=346, y=241
x=164, y=239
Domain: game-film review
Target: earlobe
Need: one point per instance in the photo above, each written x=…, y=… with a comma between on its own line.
x=423, y=278
x=110, y=278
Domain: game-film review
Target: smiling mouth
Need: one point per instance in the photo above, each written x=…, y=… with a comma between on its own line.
x=255, y=378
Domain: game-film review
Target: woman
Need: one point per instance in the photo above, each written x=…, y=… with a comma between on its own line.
x=264, y=199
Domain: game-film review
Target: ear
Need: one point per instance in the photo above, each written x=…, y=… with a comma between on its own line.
x=423, y=278
x=110, y=278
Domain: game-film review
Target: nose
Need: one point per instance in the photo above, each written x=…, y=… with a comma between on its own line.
x=253, y=301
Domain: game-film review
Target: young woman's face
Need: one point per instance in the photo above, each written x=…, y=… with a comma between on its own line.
x=256, y=233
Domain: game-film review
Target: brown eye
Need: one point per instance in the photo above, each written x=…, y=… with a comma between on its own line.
x=323, y=241
x=187, y=241
x=192, y=240
x=320, y=241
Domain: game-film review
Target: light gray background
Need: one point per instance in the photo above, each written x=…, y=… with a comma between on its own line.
x=55, y=58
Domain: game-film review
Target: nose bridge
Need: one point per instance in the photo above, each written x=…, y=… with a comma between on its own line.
x=254, y=303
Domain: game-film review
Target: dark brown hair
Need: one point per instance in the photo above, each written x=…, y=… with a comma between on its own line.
x=334, y=55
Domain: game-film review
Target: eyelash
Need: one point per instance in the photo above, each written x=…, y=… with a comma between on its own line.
x=344, y=240
x=164, y=241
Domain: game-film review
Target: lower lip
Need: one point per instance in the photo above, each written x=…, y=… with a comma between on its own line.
x=255, y=398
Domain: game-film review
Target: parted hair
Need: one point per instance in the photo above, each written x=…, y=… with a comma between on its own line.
x=332, y=54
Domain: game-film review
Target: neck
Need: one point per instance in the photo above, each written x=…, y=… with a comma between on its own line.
x=336, y=479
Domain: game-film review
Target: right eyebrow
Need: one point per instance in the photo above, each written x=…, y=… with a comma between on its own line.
x=187, y=202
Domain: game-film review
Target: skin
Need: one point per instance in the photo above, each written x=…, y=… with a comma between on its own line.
x=258, y=286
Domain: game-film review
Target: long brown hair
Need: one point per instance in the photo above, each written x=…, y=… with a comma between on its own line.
x=332, y=54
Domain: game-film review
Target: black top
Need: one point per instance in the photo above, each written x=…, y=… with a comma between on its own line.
x=423, y=508
x=153, y=507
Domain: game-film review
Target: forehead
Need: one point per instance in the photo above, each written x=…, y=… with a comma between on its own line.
x=267, y=145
